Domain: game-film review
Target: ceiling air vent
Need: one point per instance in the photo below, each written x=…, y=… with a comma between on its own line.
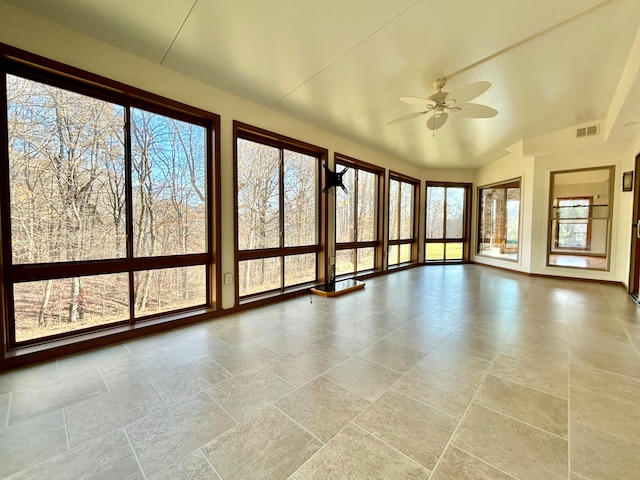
x=587, y=131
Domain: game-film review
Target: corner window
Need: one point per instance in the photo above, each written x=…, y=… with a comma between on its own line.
x=499, y=220
x=447, y=222
x=403, y=192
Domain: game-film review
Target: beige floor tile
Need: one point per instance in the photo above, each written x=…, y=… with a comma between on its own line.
x=525, y=404
x=54, y=394
x=340, y=345
x=107, y=457
x=4, y=410
x=27, y=378
x=129, y=372
x=179, y=383
x=210, y=370
x=239, y=359
x=473, y=344
x=356, y=454
x=108, y=411
x=92, y=360
x=193, y=347
x=551, y=378
x=392, y=355
x=300, y=366
x=600, y=456
x=512, y=446
x=604, y=413
x=31, y=441
x=246, y=394
x=624, y=389
x=193, y=466
x=362, y=377
x=417, y=430
x=422, y=338
x=455, y=363
x=164, y=437
x=611, y=355
x=459, y=465
x=447, y=394
x=266, y=446
x=322, y=407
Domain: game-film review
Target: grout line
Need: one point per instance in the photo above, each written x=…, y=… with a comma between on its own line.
x=209, y=461
x=66, y=429
x=299, y=424
x=133, y=452
x=9, y=405
x=485, y=462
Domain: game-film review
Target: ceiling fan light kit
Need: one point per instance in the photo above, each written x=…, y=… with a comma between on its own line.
x=440, y=104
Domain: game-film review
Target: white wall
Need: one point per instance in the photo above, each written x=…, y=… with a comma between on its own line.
x=535, y=170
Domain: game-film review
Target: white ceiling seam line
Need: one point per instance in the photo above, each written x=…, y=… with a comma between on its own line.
x=178, y=32
x=528, y=39
x=379, y=29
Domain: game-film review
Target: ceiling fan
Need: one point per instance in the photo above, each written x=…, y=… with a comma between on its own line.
x=440, y=104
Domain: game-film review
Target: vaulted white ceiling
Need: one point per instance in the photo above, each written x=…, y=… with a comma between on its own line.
x=343, y=64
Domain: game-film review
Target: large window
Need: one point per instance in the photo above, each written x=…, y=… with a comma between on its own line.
x=357, y=217
x=580, y=220
x=499, y=220
x=447, y=222
x=107, y=205
x=403, y=192
x=278, y=211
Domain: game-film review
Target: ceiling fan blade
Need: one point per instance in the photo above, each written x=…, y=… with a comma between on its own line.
x=437, y=121
x=472, y=110
x=407, y=117
x=415, y=101
x=468, y=92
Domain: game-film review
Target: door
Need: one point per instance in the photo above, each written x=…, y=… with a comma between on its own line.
x=634, y=274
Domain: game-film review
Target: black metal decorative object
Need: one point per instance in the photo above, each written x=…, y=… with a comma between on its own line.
x=334, y=179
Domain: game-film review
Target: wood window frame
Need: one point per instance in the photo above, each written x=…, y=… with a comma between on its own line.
x=341, y=160
x=466, y=222
x=412, y=241
x=14, y=61
x=559, y=221
x=505, y=185
x=255, y=134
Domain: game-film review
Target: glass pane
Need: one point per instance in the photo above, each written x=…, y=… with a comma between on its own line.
x=367, y=194
x=66, y=170
x=435, y=212
x=393, y=255
x=169, y=289
x=299, y=269
x=434, y=251
x=405, y=253
x=453, y=251
x=394, y=200
x=499, y=221
x=258, y=171
x=455, y=212
x=259, y=275
x=574, y=208
x=406, y=211
x=345, y=208
x=51, y=307
x=168, y=161
x=345, y=261
x=366, y=259
x=300, y=193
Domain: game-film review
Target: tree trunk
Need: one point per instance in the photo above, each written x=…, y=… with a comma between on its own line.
x=42, y=321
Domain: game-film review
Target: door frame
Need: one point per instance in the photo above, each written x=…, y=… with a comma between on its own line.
x=634, y=263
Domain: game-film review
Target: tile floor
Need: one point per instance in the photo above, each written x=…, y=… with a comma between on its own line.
x=442, y=373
